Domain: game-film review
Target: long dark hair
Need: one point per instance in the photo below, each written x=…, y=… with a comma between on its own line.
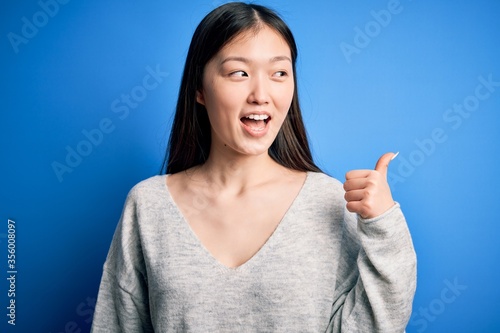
x=190, y=137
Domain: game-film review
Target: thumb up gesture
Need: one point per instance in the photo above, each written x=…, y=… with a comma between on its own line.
x=367, y=192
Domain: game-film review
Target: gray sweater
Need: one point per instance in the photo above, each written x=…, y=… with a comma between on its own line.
x=322, y=270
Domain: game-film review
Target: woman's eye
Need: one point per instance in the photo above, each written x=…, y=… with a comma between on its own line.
x=238, y=73
x=280, y=74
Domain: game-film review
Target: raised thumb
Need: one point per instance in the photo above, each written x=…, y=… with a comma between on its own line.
x=383, y=162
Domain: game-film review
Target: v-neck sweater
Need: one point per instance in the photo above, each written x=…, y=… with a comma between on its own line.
x=323, y=269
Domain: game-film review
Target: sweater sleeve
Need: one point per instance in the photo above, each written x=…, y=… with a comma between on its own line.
x=376, y=278
x=122, y=302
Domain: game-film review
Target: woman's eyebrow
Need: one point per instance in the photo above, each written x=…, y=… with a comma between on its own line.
x=280, y=58
x=246, y=60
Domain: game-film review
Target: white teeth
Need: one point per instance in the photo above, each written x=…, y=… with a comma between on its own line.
x=257, y=116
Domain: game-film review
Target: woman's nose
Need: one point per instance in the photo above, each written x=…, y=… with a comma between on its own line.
x=259, y=93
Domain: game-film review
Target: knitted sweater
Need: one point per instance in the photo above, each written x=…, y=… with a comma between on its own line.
x=322, y=270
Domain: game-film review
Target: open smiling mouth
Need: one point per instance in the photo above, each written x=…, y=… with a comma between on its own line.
x=256, y=122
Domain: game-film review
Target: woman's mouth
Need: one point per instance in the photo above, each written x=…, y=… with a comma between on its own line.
x=256, y=124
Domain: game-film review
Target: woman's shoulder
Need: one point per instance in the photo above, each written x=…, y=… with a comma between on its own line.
x=322, y=188
x=150, y=187
x=322, y=182
x=150, y=200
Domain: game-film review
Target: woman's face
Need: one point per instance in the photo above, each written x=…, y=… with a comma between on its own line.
x=247, y=90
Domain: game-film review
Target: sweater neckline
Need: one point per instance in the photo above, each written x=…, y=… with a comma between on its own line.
x=260, y=255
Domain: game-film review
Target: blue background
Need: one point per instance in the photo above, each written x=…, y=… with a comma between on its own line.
x=398, y=88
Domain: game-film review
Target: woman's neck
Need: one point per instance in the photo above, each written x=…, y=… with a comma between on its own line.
x=236, y=172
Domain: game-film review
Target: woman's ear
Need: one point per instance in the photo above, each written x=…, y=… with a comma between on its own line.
x=199, y=97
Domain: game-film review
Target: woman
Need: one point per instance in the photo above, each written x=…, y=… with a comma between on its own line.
x=244, y=233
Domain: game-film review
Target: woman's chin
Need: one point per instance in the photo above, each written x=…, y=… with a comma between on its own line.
x=253, y=150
